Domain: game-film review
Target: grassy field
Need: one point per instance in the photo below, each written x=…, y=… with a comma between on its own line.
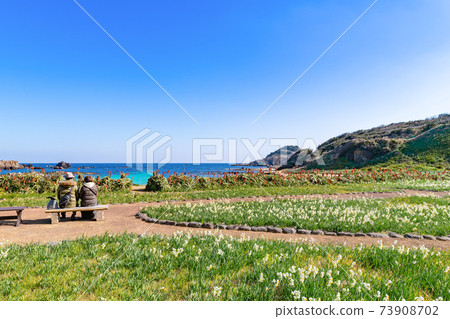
x=32, y=199
x=423, y=215
x=211, y=267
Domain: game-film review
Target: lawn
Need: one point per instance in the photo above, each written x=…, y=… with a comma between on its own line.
x=212, y=267
x=420, y=215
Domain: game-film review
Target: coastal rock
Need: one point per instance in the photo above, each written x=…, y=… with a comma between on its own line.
x=377, y=235
x=394, y=235
x=62, y=165
x=288, y=230
x=303, y=231
x=10, y=165
x=413, y=236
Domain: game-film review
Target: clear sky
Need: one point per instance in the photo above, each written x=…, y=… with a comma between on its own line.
x=68, y=92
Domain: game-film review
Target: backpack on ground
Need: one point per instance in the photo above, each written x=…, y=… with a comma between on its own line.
x=53, y=203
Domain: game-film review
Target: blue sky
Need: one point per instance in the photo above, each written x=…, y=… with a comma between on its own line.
x=68, y=92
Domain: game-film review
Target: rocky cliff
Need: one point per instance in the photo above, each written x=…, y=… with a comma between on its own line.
x=425, y=141
x=276, y=158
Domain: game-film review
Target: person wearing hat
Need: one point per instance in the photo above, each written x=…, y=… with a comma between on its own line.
x=68, y=186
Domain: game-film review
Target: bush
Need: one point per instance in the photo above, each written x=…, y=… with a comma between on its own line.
x=29, y=182
x=108, y=184
x=157, y=183
x=48, y=182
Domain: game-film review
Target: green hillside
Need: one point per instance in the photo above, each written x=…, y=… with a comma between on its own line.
x=416, y=143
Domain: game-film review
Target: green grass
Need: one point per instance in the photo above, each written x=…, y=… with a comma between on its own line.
x=429, y=151
x=212, y=267
x=433, y=147
x=34, y=199
x=417, y=214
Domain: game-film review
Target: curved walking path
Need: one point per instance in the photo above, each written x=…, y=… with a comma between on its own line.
x=121, y=218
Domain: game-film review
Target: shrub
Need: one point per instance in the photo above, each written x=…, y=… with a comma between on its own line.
x=157, y=183
x=109, y=184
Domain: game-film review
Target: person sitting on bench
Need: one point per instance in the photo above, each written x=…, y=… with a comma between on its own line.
x=69, y=186
x=88, y=196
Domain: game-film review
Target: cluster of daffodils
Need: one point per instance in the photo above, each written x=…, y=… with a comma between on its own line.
x=4, y=253
x=217, y=291
x=343, y=278
x=176, y=252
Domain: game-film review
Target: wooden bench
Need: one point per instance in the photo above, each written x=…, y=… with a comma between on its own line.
x=18, y=211
x=98, y=212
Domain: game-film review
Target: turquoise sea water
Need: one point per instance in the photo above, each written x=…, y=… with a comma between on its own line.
x=139, y=176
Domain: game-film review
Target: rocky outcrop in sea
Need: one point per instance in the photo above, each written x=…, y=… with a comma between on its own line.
x=62, y=165
x=10, y=165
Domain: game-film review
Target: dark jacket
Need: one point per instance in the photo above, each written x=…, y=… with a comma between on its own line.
x=88, y=195
x=64, y=188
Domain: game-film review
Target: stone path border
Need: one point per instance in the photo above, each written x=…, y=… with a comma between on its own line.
x=286, y=230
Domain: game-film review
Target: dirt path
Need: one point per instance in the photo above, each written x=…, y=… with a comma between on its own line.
x=121, y=218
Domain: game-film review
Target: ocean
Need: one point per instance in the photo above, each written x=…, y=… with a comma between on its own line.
x=138, y=176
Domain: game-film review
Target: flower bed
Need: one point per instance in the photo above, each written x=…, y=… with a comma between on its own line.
x=210, y=267
x=418, y=215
